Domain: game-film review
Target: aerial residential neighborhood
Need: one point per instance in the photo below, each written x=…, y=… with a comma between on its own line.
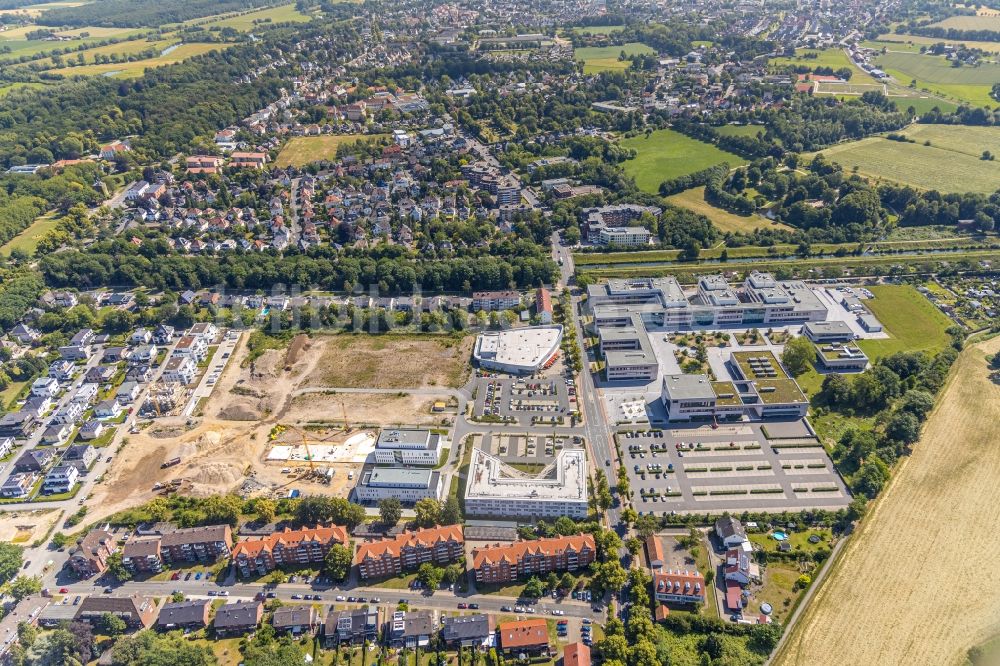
x=447, y=332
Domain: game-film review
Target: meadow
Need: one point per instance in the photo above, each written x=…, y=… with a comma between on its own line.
x=739, y=130
x=303, y=150
x=915, y=539
x=598, y=59
x=912, y=43
x=668, y=154
x=14, y=39
x=598, y=29
x=935, y=73
x=126, y=70
x=978, y=22
x=833, y=58
x=246, y=22
x=955, y=152
x=28, y=239
x=694, y=199
x=912, y=321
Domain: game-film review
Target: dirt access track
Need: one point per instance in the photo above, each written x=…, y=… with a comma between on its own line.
x=913, y=585
x=228, y=442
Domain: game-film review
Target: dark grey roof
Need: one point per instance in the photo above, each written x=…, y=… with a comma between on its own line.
x=465, y=627
x=183, y=612
x=239, y=614
x=728, y=526
x=292, y=616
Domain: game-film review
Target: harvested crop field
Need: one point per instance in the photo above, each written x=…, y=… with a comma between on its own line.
x=910, y=586
x=392, y=362
x=302, y=150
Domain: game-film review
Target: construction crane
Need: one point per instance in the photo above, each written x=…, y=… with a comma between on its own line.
x=343, y=413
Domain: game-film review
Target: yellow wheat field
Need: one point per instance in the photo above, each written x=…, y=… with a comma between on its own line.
x=916, y=585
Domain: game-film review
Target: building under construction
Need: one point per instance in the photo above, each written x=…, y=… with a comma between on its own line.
x=162, y=399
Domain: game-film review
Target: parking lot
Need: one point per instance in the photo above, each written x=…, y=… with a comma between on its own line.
x=531, y=452
x=739, y=467
x=526, y=401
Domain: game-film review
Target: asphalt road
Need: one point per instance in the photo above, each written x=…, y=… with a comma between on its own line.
x=439, y=600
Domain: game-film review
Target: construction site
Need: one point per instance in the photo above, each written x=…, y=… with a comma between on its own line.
x=269, y=428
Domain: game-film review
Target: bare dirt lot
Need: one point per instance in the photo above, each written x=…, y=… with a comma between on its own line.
x=24, y=527
x=389, y=362
x=382, y=409
x=228, y=445
x=913, y=587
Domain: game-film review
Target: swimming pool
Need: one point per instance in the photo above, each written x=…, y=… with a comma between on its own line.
x=779, y=535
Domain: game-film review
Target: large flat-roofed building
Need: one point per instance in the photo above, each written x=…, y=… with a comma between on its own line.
x=497, y=489
x=841, y=357
x=828, y=331
x=624, y=236
x=761, y=389
x=519, y=350
x=760, y=301
x=408, y=447
x=407, y=485
x=628, y=355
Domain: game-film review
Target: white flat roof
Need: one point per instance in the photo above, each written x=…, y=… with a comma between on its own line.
x=521, y=347
x=563, y=480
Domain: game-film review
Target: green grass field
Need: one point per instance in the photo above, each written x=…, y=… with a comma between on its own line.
x=950, y=164
x=6, y=90
x=912, y=43
x=28, y=239
x=130, y=48
x=23, y=47
x=694, y=199
x=834, y=58
x=598, y=59
x=598, y=29
x=127, y=70
x=970, y=22
x=246, y=22
x=935, y=73
x=668, y=154
x=739, y=130
x=912, y=321
x=302, y=150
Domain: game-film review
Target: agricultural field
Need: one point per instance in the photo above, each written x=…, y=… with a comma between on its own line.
x=667, y=154
x=28, y=239
x=122, y=50
x=303, y=150
x=945, y=490
x=978, y=22
x=955, y=151
x=19, y=46
x=127, y=70
x=912, y=43
x=912, y=321
x=694, y=199
x=36, y=10
x=246, y=22
x=935, y=73
x=598, y=59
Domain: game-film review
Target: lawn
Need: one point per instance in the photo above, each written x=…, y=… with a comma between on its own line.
x=302, y=150
x=135, y=69
x=912, y=321
x=28, y=239
x=598, y=59
x=777, y=590
x=954, y=152
x=694, y=199
x=666, y=154
x=935, y=73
